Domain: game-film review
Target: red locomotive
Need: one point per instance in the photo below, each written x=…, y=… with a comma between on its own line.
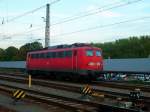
x=71, y=61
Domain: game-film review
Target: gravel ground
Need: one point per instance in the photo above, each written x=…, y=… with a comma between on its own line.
x=3, y=109
x=25, y=105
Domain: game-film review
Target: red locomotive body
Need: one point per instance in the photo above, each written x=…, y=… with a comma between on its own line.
x=76, y=60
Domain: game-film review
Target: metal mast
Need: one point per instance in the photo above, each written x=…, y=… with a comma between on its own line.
x=47, y=27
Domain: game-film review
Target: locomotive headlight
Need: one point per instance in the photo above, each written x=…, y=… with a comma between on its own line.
x=98, y=63
x=91, y=63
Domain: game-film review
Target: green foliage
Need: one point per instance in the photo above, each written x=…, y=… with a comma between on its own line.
x=132, y=47
x=11, y=53
x=29, y=47
x=2, y=54
x=14, y=54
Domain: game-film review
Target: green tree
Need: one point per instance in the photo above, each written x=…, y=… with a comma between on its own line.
x=2, y=55
x=11, y=53
x=132, y=47
x=29, y=47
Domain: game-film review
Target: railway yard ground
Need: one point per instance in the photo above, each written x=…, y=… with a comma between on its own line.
x=55, y=96
x=6, y=104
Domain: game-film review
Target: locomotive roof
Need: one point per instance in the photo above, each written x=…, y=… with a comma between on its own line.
x=65, y=47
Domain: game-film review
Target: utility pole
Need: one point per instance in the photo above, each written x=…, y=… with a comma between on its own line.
x=48, y=23
x=47, y=27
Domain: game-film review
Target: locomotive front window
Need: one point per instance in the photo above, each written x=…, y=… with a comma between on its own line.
x=89, y=53
x=98, y=53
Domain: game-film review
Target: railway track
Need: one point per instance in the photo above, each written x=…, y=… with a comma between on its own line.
x=69, y=104
x=24, y=105
x=95, y=105
x=123, y=85
x=114, y=84
x=66, y=103
x=77, y=87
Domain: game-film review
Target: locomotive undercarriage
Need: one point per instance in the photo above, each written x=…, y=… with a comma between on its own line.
x=78, y=75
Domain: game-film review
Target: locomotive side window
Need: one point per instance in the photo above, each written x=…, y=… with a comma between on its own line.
x=49, y=55
x=89, y=53
x=33, y=56
x=68, y=53
x=98, y=53
x=45, y=55
x=53, y=54
x=37, y=55
x=42, y=55
x=60, y=54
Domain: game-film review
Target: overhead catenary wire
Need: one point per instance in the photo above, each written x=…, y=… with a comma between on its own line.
x=98, y=27
x=96, y=11
x=102, y=26
x=90, y=28
x=24, y=14
x=99, y=10
x=88, y=13
x=29, y=12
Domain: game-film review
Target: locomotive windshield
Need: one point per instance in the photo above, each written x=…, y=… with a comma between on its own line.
x=89, y=53
x=98, y=53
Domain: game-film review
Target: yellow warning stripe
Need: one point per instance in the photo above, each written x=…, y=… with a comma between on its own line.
x=19, y=94
x=16, y=93
x=87, y=90
x=23, y=95
x=84, y=89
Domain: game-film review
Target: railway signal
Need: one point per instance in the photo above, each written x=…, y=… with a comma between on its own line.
x=17, y=95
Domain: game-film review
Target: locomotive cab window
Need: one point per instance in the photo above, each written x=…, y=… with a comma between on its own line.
x=98, y=53
x=89, y=52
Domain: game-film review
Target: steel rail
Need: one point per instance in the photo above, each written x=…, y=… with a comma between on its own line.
x=55, y=100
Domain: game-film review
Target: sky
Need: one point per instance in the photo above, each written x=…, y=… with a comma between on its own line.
x=72, y=21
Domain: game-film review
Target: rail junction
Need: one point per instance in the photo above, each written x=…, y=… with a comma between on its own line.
x=68, y=95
